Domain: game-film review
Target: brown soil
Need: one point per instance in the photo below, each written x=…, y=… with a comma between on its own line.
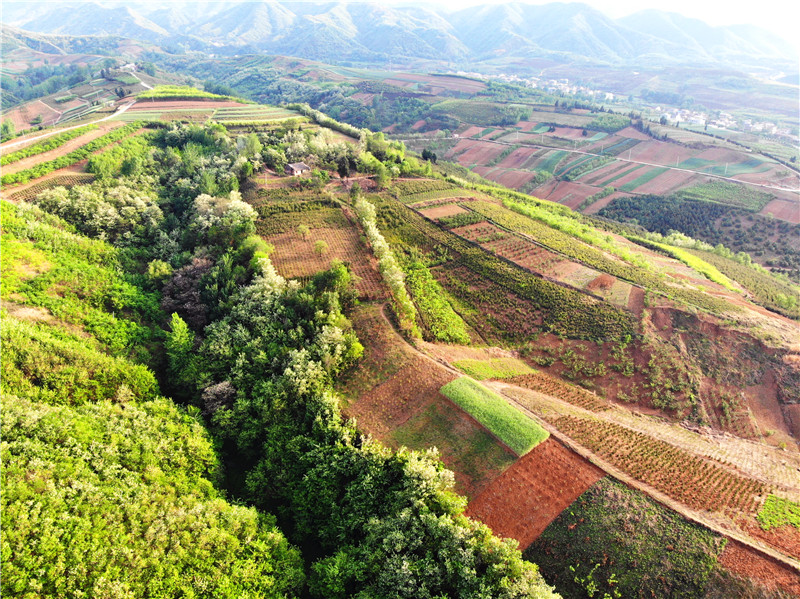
x=527, y=497
x=440, y=211
x=751, y=564
x=395, y=397
x=295, y=257
x=786, y=538
x=66, y=148
x=788, y=211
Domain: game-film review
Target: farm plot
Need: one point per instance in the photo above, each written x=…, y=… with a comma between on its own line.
x=784, y=210
x=495, y=313
x=65, y=148
x=29, y=192
x=518, y=158
x=300, y=256
x=24, y=116
x=513, y=179
x=471, y=152
x=394, y=396
x=645, y=177
x=493, y=368
x=523, y=501
x=252, y=113
x=568, y=193
x=549, y=385
x=442, y=210
x=504, y=420
x=695, y=482
x=511, y=247
x=667, y=182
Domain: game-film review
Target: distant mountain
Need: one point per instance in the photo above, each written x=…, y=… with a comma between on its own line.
x=95, y=19
x=336, y=31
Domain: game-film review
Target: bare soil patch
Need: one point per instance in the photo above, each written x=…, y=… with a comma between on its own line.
x=751, y=564
x=784, y=210
x=23, y=116
x=527, y=497
x=444, y=210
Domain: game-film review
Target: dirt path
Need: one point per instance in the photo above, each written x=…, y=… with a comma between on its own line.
x=21, y=142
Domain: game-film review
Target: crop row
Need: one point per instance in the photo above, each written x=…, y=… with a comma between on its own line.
x=695, y=482
x=593, y=257
x=437, y=316
x=51, y=143
x=34, y=190
x=544, y=383
x=566, y=311
x=494, y=368
x=68, y=159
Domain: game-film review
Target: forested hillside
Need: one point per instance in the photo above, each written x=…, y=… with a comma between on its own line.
x=157, y=274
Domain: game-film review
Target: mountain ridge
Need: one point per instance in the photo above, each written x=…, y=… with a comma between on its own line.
x=380, y=32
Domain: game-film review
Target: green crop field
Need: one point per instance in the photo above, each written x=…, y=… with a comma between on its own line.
x=509, y=424
x=494, y=368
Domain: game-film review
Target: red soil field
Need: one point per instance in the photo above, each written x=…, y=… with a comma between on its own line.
x=517, y=158
x=418, y=125
x=601, y=175
x=667, y=182
x=472, y=131
x=440, y=211
x=22, y=116
x=394, y=386
x=295, y=257
x=751, y=564
x=478, y=152
x=632, y=133
x=784, y=210
x=659, y=152
x=527, y=125
x=569, y=193
x=603, y=202
x=511, y=178
x=518, y=250
x=529, y=495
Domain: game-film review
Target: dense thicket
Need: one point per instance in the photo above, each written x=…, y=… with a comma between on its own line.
x=257, y=354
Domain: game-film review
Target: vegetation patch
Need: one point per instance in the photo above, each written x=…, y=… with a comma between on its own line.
x=616, y=543
x=51, y=143
x=494, y=368
x=509, y=424
x=728, y=193
x=184, y=92
x=778, y=511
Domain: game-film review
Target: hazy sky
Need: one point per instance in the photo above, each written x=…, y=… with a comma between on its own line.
x=779, y=16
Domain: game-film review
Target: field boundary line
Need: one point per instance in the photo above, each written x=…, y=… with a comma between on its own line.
x=665, y=500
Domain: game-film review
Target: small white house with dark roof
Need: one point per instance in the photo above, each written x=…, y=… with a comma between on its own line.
x=296, y=169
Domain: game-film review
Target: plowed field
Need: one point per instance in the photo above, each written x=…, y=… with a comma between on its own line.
x=528, y=496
